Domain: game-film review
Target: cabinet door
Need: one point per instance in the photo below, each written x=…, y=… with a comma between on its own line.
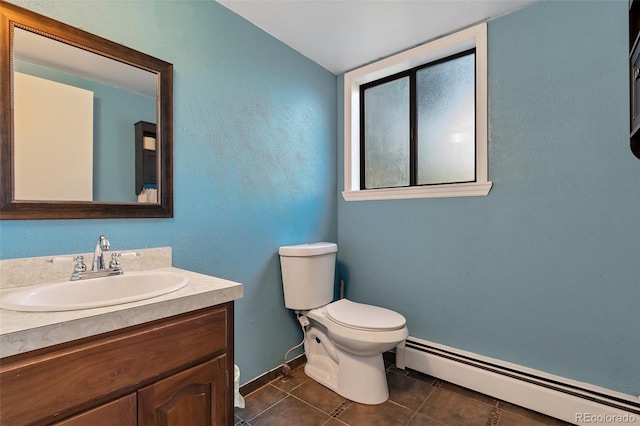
x=121, y=412
x=194, y=397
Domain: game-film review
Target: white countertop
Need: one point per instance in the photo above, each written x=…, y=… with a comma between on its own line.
x=26, y=331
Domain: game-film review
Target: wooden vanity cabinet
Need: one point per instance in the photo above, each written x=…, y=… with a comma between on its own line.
x=173, y=371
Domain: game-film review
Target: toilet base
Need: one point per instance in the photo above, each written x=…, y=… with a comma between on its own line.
x=360, y=379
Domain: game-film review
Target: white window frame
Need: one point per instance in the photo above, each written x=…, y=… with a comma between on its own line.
x=473, y=37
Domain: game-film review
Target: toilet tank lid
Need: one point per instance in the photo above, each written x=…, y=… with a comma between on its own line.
x=313, y=249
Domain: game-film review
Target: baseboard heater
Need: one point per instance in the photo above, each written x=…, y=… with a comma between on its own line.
x=556, y=396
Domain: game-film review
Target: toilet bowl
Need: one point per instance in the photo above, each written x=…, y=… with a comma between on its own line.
x=344, y=340
x=360, y=329
x=344, y=347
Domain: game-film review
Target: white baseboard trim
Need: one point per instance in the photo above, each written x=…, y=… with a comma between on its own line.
x=555, y=396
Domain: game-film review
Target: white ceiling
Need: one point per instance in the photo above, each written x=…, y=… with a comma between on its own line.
x=341, y=35
x=50, y=53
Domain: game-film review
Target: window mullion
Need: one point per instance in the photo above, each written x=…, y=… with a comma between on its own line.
x=413, y=131
x=362, y=139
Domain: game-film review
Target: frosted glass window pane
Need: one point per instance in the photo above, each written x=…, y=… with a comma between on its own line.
x=386, y=128
x=445, y=96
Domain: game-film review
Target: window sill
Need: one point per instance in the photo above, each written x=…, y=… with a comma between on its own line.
x=473, y=189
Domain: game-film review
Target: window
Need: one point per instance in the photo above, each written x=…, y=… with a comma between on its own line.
x=418, y=127
x=416, y=123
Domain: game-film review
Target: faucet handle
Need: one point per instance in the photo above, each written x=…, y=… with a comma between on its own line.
x=115, y=261
x=80, y=266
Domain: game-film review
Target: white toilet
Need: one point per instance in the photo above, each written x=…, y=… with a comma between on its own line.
x=345, y=340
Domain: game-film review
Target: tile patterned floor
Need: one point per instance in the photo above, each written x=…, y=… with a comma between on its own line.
x=414, y=399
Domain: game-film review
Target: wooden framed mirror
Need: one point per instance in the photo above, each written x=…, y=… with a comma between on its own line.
x=69, y=102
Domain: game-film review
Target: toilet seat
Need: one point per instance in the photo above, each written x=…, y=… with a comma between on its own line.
x=360, y=316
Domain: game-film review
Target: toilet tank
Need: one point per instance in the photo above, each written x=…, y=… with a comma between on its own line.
x=308, y=273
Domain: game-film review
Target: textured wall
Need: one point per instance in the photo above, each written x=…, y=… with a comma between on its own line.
x=255, y=168
x=544, y=271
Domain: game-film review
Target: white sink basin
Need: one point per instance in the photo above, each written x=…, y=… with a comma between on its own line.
x=93, y=293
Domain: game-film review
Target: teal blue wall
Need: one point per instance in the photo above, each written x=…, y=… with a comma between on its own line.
x=545, y=270
x=255, y=150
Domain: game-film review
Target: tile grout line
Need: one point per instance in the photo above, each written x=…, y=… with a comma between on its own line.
x=333, y=414
x=417, y=410
x=269, y=407
x=310, y=405
x=292, y=389
x=413, y=416
x=494, y=417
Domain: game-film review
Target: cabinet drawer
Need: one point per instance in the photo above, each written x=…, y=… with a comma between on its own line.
x=121, y=412
x=59, y=379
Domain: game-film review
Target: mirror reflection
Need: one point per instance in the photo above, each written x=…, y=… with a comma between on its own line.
x=77, y=131
x=86, y=124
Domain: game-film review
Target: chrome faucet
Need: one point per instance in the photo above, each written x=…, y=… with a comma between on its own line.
x=98, y=268
x=98, y=257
